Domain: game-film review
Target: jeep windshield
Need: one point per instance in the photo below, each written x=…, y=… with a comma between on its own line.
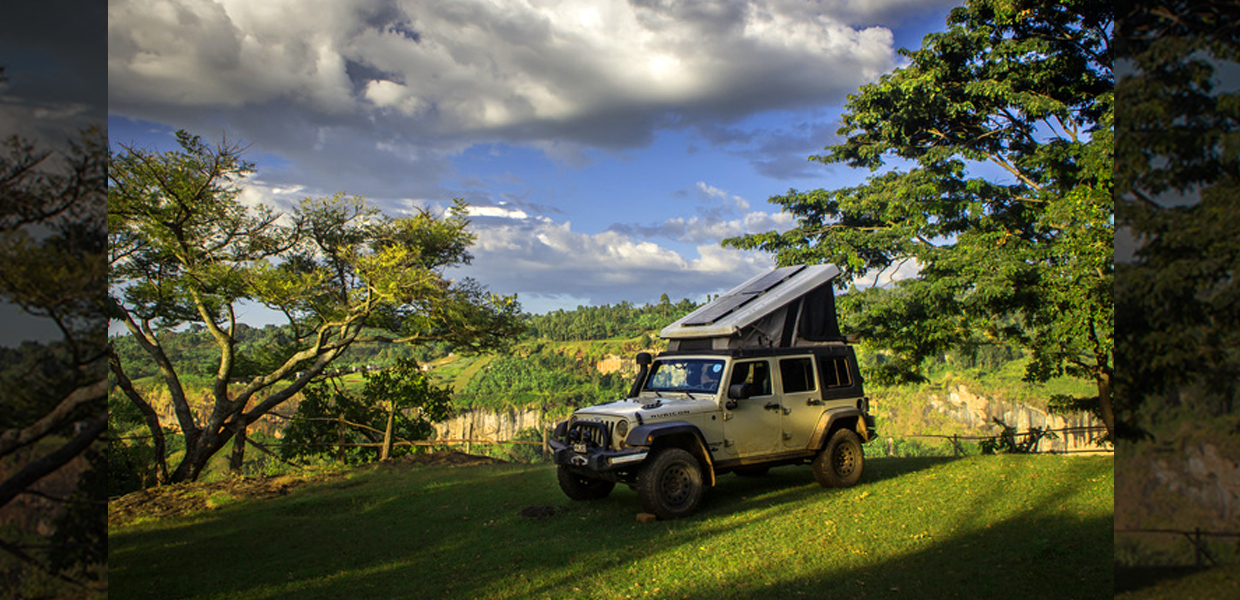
x=687, y=375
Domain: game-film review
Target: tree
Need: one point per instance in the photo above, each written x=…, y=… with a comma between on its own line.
x=1000, y=130
x=184, y=249
x=54, y=399
x=1176, y=194
x=398, y=404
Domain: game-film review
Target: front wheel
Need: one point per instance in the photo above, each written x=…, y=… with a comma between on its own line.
x=579, y=487
x=670, y=485
x=841, y=462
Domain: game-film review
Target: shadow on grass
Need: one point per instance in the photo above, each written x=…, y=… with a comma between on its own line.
x=458, y=533
x=1130, y=579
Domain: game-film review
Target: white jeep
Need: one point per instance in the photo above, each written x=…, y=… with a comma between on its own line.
x=728, y=396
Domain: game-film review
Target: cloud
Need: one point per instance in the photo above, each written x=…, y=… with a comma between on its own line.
x=54, y=78
x=907, y=269
x=602, y=74
x=720, y=215
x=560, y=267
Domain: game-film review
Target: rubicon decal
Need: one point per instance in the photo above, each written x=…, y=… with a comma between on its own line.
x=668, y=413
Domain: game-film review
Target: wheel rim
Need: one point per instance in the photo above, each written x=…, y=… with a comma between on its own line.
x=676, y=485
x=844, y=460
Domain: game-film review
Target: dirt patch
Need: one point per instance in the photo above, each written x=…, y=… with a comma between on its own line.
x=194, y=497
x=187, y=498
x=451, y=458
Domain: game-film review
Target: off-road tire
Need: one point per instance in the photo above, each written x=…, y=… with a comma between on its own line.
x=670, y=485
x=840, y=463
x=579, y=487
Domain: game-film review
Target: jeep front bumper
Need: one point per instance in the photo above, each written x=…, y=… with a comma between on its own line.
x=586, y=452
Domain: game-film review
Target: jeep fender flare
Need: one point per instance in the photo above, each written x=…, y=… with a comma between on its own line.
x=680, y=434
x=828, y=422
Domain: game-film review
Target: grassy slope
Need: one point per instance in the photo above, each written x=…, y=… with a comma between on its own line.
x=980, y=527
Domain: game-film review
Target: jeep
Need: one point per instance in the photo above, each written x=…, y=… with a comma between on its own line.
x=758, y=378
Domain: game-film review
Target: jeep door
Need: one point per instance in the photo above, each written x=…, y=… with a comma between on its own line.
x=751, y=428
x=800, y=401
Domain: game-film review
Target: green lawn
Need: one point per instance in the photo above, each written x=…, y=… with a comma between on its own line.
x=979, y=527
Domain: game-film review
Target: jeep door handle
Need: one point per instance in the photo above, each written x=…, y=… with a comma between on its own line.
x=813, y=402
x=772, y=406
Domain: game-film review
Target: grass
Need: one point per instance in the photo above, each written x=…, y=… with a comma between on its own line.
x=978, y=527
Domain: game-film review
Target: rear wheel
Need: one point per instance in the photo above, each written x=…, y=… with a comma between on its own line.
x=670, y=485
x=841, y=462
x=580, y=487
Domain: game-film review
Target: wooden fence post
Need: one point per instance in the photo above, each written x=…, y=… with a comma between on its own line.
x=546, y=446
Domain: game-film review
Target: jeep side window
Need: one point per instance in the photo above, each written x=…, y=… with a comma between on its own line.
x=757, y=374
x=797, y=374
x=834, y=372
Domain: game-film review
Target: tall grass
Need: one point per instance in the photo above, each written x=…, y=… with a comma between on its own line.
x=978, y=527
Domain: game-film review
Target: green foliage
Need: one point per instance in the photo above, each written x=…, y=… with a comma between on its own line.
x=52, y=407
x=131, y=455
x=1006, y=441
x=329, y=415
x=1176, y=193
x=541, y=379
x=1006, y=121
x=622, y=320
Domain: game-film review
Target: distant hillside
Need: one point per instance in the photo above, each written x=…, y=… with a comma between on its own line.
x=571, y=359
x=259, y=348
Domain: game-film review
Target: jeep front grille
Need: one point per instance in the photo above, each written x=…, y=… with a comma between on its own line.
x=592, y=433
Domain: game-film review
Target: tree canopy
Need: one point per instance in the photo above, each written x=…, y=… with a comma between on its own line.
x=53, y=405
x=1176, y=196
x=992, y=154
x=185, y=249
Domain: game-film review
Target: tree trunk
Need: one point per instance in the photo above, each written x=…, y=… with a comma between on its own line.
x=238, y=451
x=340, y=438
x=386, y=452
x=148, y=415
x=1104, y=404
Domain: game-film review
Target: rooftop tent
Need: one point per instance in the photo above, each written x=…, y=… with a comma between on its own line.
x=790, y=306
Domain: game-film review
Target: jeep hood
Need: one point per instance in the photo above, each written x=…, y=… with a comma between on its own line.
x=647, y=409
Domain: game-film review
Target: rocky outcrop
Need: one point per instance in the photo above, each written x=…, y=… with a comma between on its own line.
x=613, y=363
x=491, y=424
x=1203, y=476
x=977, y=413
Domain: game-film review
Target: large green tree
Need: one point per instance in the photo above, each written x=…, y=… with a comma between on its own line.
x=53, y=400
x=185, y=249
x=1177, y=191
x=992, y=153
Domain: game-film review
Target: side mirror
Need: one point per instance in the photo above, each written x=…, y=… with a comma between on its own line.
x=739, y=391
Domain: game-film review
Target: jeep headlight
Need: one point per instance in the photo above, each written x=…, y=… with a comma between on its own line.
x=622, y=431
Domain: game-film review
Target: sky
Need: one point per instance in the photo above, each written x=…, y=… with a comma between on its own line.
x=605, y=147
x=54, y=56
